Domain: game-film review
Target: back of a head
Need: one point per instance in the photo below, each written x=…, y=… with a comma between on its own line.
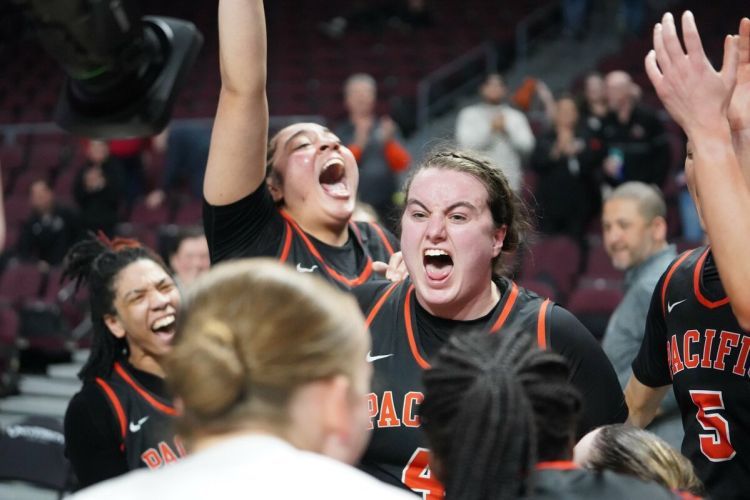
x=253, y=332
x=629, y=450
x=494, y=406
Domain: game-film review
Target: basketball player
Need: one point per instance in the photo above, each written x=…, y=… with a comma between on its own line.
x=695, y=341
x=460, y=213
x=292, y=199
x=121, y=419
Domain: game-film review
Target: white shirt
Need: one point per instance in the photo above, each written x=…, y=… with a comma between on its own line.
x=250, y=467
x=505, y=149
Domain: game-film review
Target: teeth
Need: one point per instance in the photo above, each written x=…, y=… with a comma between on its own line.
x=163, y=322
x=333, y=161
x=434, y=252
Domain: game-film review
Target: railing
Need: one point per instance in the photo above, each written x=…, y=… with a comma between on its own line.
x=529, y=25
x=426, y=107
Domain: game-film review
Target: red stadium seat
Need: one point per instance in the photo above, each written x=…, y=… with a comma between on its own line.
x=593, y=307
x=20, y=282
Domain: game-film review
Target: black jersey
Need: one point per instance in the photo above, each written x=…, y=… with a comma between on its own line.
x=255, y=227
x=565, y=481
x=145, y=421
x=694, y=342
x=398, y=451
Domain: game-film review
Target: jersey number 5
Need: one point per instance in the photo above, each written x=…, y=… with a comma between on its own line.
x=715, y=445
x=418, y=476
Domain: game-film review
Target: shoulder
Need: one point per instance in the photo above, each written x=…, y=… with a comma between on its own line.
x=367, y=294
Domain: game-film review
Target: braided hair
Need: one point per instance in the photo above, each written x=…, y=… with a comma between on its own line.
x=494, y=406
x=97, y=262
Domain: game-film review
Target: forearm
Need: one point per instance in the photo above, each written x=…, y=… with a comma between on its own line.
x=643, y=402
x=741, y=142
x=724, y=197
x=236, y=160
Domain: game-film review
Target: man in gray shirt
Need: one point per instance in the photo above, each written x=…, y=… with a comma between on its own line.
x=635, y=237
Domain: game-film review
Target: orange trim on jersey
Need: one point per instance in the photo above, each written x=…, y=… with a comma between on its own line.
x=145, y=395
x=696, y=285
x=512, y=296
x=541, y=325
x=670, y=272
x=363, y=276
x=119, y=412
x=376, y=308
x=383, y=238
x=556, y=465
x=287, y=243
x=410, y=332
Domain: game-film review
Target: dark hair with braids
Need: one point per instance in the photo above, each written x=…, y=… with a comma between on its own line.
x=505, y=205
x=495, y=405
x=97, y=262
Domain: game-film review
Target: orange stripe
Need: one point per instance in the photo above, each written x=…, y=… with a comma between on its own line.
x=383, y=238
x=669, y=277
x=119, y=412
x=556, y=465
x=541, y=326
x=145, y=395
x=696, y=285
x=513, y=294
x=410, y=332
x=374, y=311
x=363, y=276
x=287, y=243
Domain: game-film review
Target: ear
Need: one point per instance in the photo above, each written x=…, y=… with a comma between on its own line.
x=274, y=188
x=498, y=238
x=340, y=437
x=114, y=325
x=659, y=229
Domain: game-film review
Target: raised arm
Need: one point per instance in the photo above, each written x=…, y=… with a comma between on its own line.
x=236, y=159
x=698, y=98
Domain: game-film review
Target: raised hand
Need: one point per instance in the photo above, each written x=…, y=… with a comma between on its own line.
x=739, y=106
x=695, y=94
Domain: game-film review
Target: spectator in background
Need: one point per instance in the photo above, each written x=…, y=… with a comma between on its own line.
x=128, y=155
x=629, y=450
x=189, y=256
x=50, y=230
x=376, y=144
x=566, y=159
x=635, y=237
x=185, y=161
x=98, y=190
x=496, y=129
x=593, y=107
x=637, y=143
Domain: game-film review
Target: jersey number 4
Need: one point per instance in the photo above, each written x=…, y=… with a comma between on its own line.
x=418, y=476
x=715, y=445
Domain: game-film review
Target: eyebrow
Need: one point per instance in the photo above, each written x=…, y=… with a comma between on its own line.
x=294, y=136
x=136, y=291
x=465, y=204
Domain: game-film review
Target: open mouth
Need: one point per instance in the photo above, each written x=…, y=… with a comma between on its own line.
x=164, y=327
x=438, y=264
x=333, y=178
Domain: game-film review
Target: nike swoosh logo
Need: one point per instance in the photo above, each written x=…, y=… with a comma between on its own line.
x=370, y=358
x=135, y=427
x=672, y=306
x=305, y=269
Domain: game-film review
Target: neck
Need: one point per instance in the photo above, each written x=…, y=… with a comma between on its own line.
x=334, y=234
x=200, y=442
x=146, y=363
x=477, y=306
x=623, y=114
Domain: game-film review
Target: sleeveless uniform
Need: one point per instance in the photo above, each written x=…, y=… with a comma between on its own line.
x=694, y=342
x=144, y=420
x=369, y=241
x=398, y=452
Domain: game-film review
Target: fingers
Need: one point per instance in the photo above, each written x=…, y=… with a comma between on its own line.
x=670, y=39
x=659, y=50
x=731, y=60
x=380, y=267
x=743, y=45
x=652, y=70
x=691, y=36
